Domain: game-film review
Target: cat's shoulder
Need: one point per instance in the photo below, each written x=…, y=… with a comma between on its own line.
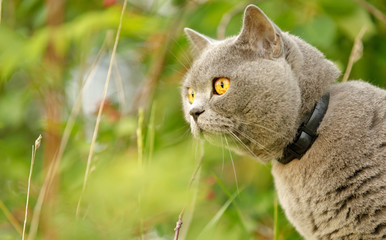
x=357, y=91
x=356, y=105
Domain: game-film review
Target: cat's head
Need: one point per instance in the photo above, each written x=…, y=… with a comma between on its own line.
x=242, y=91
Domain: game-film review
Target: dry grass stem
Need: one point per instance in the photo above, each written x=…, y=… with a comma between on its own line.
x=178, y=225
x=101, y=107
x=1, y=4
x=63, y=143
x=373, y=10
x=10, y=218
x=38, y=206
x=34, y=148
x=140, y=138
x=356, y=53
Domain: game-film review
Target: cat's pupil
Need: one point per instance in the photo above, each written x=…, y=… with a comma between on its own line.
x=222, y=84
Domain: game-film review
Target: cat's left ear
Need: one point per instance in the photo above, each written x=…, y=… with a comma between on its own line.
x=260, y=34
x=198, y=40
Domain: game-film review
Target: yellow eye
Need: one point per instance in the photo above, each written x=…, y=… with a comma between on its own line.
x=191, y=95
x=221, y=85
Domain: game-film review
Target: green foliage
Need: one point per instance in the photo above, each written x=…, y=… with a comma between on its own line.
x=126, y=198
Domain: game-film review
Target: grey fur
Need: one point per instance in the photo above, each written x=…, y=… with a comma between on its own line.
x=338, y=189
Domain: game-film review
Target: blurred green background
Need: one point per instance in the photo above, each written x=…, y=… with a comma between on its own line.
x=54, y=60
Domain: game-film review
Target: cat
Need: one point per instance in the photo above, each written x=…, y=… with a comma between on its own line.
x=263, y=88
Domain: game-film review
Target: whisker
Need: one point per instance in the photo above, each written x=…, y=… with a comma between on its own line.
x=183, y=64
x=186, y=132
x=261, y=126
x=195, y=146
x=254, y=141
x=185, y=57
x=233, y=165
x=223, y=154
x=242, y=144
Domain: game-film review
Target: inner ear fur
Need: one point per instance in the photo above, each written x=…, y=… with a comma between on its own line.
x=260, y=34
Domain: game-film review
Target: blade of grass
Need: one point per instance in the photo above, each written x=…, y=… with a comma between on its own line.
x=11, y=218
x=275, y=220
x=34, y=148
x=195, y=179
x=236, y=206
x=101, y=108
x=219, y=214
x=140, y=165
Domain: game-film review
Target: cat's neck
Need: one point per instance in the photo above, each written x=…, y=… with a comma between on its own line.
x=314, y=72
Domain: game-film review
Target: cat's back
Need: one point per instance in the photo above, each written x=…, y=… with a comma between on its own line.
x=338, y=189
x=357, y=110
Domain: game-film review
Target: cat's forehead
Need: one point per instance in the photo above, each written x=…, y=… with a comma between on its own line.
x=218, y=60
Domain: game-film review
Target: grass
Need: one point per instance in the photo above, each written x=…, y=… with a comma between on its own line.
x=34, y=148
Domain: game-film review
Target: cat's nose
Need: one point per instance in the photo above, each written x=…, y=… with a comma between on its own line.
x=195, y=112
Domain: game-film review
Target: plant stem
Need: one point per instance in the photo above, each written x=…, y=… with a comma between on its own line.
x=101, y=108
x=34, y=148
x=356, y=53
x=1, y=4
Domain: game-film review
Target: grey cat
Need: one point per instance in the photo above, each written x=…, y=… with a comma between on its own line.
x=264, y=88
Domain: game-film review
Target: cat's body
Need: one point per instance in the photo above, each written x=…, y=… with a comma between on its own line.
x=268, y=81
x=329, y=197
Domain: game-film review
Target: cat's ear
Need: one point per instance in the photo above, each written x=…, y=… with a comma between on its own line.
x=259, y=33
x=198, y=40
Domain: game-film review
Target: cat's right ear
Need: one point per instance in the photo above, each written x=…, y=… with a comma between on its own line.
x=198, y=40
x=259, y=33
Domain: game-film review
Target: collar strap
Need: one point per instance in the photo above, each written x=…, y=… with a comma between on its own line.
x=307, y=132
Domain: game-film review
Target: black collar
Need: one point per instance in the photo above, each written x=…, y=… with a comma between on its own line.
x=307, y=132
